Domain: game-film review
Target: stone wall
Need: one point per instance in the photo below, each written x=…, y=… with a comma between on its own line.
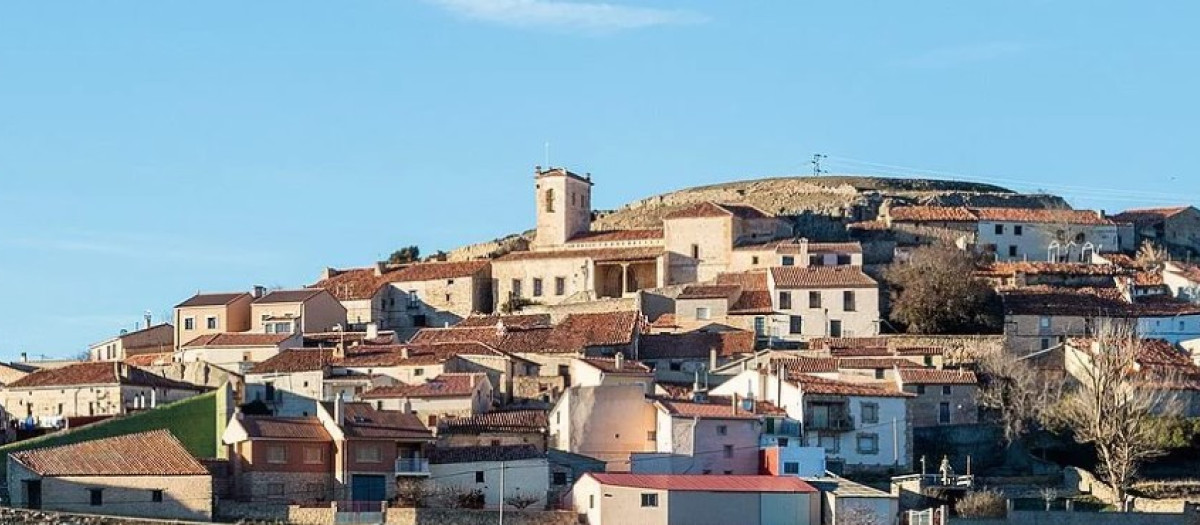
x=478, y=517
x=10, y=516
x=1086, y=482
x=1024, y=517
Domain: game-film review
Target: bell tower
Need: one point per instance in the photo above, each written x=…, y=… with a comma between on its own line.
x=564, y=206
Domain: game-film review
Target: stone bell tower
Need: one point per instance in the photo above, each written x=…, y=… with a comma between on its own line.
x=564, y=206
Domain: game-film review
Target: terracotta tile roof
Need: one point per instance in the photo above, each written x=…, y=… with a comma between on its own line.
x=319, y=339
x=931, y=214
x=641, y=253
x=748, y=280
x=617, y=235
x=666, y=320
x=153, y=453
x=932, y=376
x=211, y=299
x=810, y=384
x=1147, y=216
x=795, y=277
x=1123, y=261
x=511, y=321
x=1090, y=302
x=285, y=428
x=752, y=302
x=703, y=483
x=805, y=365
x=710, y=291
x=97, y=373
x=446, y=455
x=370, y=356
x=433, y=271
x=862, y=363
x=1008, y=269
x=295, y=360
x=920, y=350
x=608, y=365
x=848, y=342
x=834, y=247
x=1159, y=352
x=713, y=209
x=444, y=385
x=579, y=331
x=149, y=359
x=505, y=421
x=864, y=351
x=289, y=296
x=236, y=339
x=695, y=345
x=365, y=422
x=717, y=407
x=354, y=284
x=1147, y=279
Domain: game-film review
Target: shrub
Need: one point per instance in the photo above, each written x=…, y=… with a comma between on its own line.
x=986, y=503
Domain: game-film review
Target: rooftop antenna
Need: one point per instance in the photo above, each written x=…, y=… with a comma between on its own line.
x=816, y=164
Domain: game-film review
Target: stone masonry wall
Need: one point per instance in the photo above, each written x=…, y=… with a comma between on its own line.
x=478, y=517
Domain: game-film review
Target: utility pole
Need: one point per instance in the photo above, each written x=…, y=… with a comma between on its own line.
x=501, y=493
x=816, y=164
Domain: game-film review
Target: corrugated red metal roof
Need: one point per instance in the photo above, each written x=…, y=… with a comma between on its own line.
x=703, y=483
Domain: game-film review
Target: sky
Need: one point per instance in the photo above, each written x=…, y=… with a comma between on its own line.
x=149, y=149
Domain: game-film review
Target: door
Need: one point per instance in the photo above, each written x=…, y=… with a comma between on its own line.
x=835, y=328
x=33, y=493
x=368, y=488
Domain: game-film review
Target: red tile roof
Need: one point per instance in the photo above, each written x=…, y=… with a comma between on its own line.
x=848, y=342
x=710, y=291
x=865, y=363
x=810, y=384
x=505, y=421
x=834, y=247
x=433, y=271
x=748, y=280
x=864, y=351
x=235, y=339
x=1008, y=269
x=365, y=422
x=641, y=253
x=149, y=359
x=289, y=296
x=1089, y=302
x=795, y=277
x=573, y=334
x=212, y=299
x=1190, y=272
x=713, y=209
x=805, y=365
x=153, y=453
x=717, y=407
x=695, y=345
x=931, y=376
x=445, y=455
x=1147, y=216
x=363, y=283
x=97, y=373
x=370, y=356
x=920, y=350
x=704, y=483
x=511, y=321
x=931, y=214
x=666, y=320
x=444, y=385
x=608, y=365
x=285, y=428
x=617, y=235
x=961, y=214
x=751, y=303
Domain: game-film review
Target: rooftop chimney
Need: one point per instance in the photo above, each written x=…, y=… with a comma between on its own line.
x=339, y=410
x=712, y=358
x=258, y=291
x=404, y=352
x=734, y=405
x=501, y=330
x=619, y=361
x=380, y=268
x=698, y=393
x=372, y=330
x=148, y=317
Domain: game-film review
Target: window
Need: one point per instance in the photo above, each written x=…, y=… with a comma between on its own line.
x=516, y=288
x=928, y=360
x=269, y=391
x=728, y=450
x=703, y=313
x=760, y=326
x=848, y=301
x=649, y=500
x=868, y=443
x=814, y=299
x=870, y=413
x=920, y=389
x=495, y=442
x=835, y=328
x=1045, y=343
x=276, y=454
x=1018, y=230
x=943, y=413
x=879, y=373
x=791, y=467
x=651, y=435
x=550, y=200
x=816, y=260
x=418, y=372
x=831, y=444
x=1044, y=321
x=560, y=478
x=695, y=251
x=312, y=455
x=754, y=260
x=675, y=366
x=947, y=390
x=560, y=285
x=478, y=476
x=843, y=260
x=1012, y=250
x=537, y=287
x=722, y=430
x=728, y=472
x=785, y=300
x=97, y=496
x=210, y=322
x=788, y=260
x=999, y=229
x=189, y=323
x=783, y=442
x=156, y=496
x=591, y=501
x=795, y=324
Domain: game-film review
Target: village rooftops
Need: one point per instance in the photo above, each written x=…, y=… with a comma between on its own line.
x=932, y=376
x=794, y=246
x=814, y=385
x=97, y=373
x=361, y=420
x=288, y=296
x=574, y=333
x=444, y=385
x=237, y=339
x=609, y=365
x=212, y=299
x=704, y=483
x=804, y=365
x=1027, y=215
x=1090, y=302
x=1145, y=216
x=503, y=421
x=695, y=345
x=149, y=359
x=373, y=356
x=446, y=455
x=363, y=283
x=153, y=453
x=867, y=363
x=795, y=277
x=1009, y=269
x=511, y=321
x=282, y=428
x=710, y=291
x=713, y=209
x=717, y=407
x=636, y=253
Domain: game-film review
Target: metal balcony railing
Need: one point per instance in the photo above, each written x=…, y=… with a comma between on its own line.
x=412, y=466
x=839, y=423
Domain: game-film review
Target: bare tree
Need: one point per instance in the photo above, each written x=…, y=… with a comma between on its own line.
x=858, y=515
x=1018, y=392
x=935, y=292
x=414, y=492
x=521, y=501
x=1112, y=405
x=1151, y=255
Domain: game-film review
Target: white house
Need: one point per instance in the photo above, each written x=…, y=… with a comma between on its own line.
x=518, y=470
x=824, y=301
x=664, y=499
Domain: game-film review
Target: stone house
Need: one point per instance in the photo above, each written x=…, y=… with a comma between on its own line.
x=732, y=301
x=397, y=297
x=143, y=475
x=212, y=313
x=679, y=357
x=155, y=339
x=236, y=352
x=700, y=239
x=1177, y=228
x=1157, y=364
x=505, y=427
x=605, y=371
x=447, y=395
x=296, y=311
x=795, y=252
x=943, y=397
x=46, y=397
x=839, y=301
x=524, y=469
x=677, y=499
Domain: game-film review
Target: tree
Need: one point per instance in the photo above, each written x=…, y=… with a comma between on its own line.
x=407, y=254
x=1015, y=390
x=860, y=516
x=1151, y=255
x=521, y=501
x=1112, y=405
x=986, y=503
x=935, y=292
x=414, y=492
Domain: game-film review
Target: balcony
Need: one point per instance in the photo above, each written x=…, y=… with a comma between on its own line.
x=834, y=423
x=412, y=467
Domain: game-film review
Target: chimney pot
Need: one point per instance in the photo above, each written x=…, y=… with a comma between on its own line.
x=380, y=267
x=149, y=318
x=258, y=291
x=404, y=352
x=619, y=360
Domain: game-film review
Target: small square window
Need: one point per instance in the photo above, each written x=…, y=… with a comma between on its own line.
x=97, y=497
x=703, y=313
x=947, y=390
x=920, y=389
x=649, y=500
x=189, y=323
x=722, y=430
x=791, y=467
x=999, y=229
x=478, y=476
x=728, y=450
x=651, y=435
x=754, y=260
x=868, y=443
x=788, y=260
x=1012, y=250
x=560, y=478
x=276, y=454
x=156, y=496
x=1018, y=230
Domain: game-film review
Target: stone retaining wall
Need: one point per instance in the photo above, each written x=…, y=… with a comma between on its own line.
x=396, y=516
x=11, y=516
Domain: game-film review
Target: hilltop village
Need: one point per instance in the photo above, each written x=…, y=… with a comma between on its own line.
x=902, y=360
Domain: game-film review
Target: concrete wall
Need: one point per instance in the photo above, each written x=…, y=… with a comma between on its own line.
x=712, y=235
x=1076, y=518
x=527, y=477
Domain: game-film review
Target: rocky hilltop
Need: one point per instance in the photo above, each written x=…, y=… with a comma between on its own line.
x=820, y=206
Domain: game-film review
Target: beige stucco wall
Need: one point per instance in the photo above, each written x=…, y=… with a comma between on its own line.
x=234, y=317
x=318, y=314
x=578, y=272
x=605, y=422
x=570, y=212
x=686, y=310
x=441, y=301
x=864, y=321
x=713, y=236
x=184, y=497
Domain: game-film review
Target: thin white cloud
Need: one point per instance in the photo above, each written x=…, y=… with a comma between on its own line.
x=594, y=17
x=960, y=55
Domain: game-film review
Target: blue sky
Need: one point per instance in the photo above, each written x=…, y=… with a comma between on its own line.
x=151, y=149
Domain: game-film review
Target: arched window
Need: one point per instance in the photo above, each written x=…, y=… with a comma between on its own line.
x=550, y=200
